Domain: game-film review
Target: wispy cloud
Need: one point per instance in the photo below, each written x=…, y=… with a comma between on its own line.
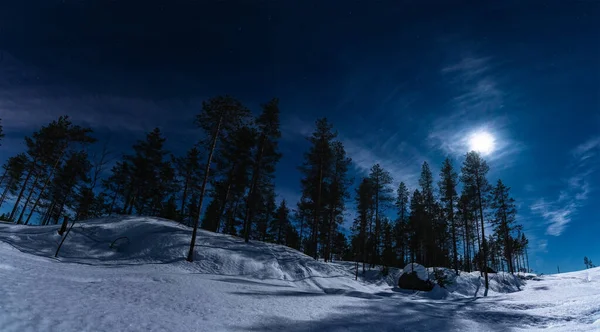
x=29, y=99
x=474, y=109
x=559, y=212
x=477, y=87
x=23, y=110
x=386, y=148
x=399, y=158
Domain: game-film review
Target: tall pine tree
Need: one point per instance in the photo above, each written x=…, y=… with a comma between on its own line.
x=337, y=194
x=382, y=197
x=219, y=116
x=150, y=176
x=504, y=219
x=189, y=172
x=360, y=228
x=264, y=159
x=401, y=226
x=473, y=176
x=317, y=167
x=449, y=197
x=14, y=169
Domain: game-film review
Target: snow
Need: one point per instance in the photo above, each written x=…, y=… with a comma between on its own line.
x=419, y=269
x=144, y=283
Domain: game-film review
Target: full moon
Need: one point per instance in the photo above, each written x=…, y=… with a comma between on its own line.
x=482, y=142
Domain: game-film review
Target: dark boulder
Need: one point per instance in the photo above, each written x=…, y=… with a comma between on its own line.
x=412, y=281
x=490, y=270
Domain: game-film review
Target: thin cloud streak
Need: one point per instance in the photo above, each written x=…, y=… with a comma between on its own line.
x=559, y=213
x=403, y=168
x=479, y=93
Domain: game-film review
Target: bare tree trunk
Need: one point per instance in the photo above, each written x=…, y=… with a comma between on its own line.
x=190, y=257
x=483, y=241
x=65, y=221
x=317, y=214
x=527, y=256
x=23, y=187
x=250, y=200
x=28, y=199
x=3, y=176
x=230, y=179
x=5, y=191
x=37, y=201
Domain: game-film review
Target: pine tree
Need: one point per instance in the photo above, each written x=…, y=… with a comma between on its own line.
x=525, y=245
x=264, y=159
x=427, y=228
x=281, y=223
x=586, y=261
x=337, y=194
x=62, y=189
x=317, y=167
x=149, y=176
x=473, y=175
x=302, y=215
x=449, y=197
x=219, y=116
x=360, y=228
x=46, y=150
x=382, y=196
x=387, y=255
x=189, y=172
x=14, y=169
x=169, y=210
x=340, y=247
x=467, y=220
x=88, y=204
x=417, y=228
x=292, y=239
x=192, y=209
x=265, y=214
x=232, y=176
x=401, y=226
x=503, y=220
x=117, y=187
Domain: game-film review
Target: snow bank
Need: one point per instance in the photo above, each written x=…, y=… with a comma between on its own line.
x=125, y=240
x=141, y=240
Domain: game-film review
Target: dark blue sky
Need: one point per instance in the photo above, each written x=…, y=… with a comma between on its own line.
x=402, y=81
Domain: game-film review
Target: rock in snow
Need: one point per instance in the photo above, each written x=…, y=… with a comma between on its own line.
x=145, y=284
x=419, y=269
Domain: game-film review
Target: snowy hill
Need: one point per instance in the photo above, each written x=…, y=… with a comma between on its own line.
x=142, y=283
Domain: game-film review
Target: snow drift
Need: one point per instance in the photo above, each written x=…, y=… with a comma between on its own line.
x=120, y=240
x=142, y=283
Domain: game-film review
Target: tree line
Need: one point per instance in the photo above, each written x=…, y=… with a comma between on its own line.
x=231, y=169
x=439, y=227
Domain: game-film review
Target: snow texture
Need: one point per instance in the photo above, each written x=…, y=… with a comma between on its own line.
x=143, y=283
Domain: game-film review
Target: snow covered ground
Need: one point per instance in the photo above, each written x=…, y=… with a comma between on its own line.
x=144, y=283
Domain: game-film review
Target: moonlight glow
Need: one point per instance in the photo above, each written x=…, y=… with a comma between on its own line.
x=482, y=142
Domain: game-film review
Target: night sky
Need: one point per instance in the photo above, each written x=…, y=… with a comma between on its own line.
x=402, y=81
